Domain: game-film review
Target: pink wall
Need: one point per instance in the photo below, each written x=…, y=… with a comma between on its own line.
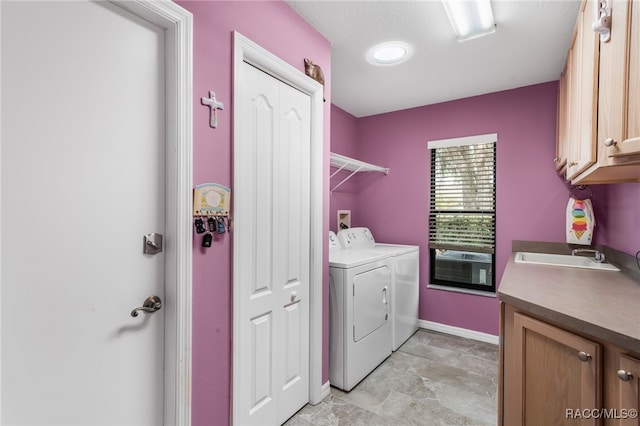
x=344, y=141
x=619, y=222
x=274, y=26
x=531, y=199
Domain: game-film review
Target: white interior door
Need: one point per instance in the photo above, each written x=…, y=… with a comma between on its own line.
x=83, y=169
x=271, y=250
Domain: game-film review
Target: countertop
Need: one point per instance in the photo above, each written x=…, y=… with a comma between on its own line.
x=602, y=304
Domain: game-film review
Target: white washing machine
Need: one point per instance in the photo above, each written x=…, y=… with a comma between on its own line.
x=405, y=283
x=360, y=328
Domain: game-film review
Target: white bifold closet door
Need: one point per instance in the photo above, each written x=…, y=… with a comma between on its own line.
x=271, y=250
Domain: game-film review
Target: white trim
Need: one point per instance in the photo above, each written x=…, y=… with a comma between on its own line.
x=1, y=399
x=457, y=331
x=467, y=140
x=462, y=290
x=326, y=391
x=178, y=25
x=246, y=50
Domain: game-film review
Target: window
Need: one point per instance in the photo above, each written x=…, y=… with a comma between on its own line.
x=462, y=214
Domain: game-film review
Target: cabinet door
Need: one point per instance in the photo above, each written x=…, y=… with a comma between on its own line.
x=627, y=391
x=559, y=374
x=619, y=110
x=631, y=145
x=563, y=122
x=583, y=90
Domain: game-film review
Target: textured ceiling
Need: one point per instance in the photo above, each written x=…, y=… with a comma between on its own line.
x=528, y=47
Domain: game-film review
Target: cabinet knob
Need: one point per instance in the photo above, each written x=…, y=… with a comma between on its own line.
x=609, y=142
x=583, y=356
x=625, y=376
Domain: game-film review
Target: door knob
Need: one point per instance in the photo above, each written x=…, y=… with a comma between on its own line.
x=153, y=243
x=150, y=305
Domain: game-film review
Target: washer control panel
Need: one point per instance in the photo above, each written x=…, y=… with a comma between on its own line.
x=356, y=237
x=333, y=240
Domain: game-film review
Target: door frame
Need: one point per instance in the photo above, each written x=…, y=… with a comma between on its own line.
x=178, y=28
x=245, y=50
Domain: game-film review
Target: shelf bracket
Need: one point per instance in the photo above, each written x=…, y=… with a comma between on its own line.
x=338, y=171
x=346, y=179
x=354, y=166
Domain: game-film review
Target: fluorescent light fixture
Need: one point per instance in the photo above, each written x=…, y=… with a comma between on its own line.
x=470, y=18
x=389, y=53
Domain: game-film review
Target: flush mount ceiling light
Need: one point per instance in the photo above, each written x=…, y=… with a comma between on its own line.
x=470, y=18
x=389, y=53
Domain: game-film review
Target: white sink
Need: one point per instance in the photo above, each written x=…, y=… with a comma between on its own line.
x=562, y=260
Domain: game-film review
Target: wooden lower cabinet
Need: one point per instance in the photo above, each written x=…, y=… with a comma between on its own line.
x=622, y=393
x=553, y=376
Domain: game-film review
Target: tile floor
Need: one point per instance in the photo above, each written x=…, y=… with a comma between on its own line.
x=433, y=379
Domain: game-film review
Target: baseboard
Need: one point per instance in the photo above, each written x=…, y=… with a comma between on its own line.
x=325, y=391
x=457, y=331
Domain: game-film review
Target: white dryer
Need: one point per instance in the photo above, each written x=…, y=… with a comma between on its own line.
x=359, y=329
x=405, y=283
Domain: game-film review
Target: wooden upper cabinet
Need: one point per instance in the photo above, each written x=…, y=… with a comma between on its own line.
x=577, y=98
x=582, y=152
x=619, y=117
x=602, y=110
x=562, y=143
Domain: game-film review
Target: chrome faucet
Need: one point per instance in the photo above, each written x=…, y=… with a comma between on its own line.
x=598, y=256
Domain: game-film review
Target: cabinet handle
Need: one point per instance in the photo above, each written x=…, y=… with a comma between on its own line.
x=583, y=356
x=573, y=164
x=609, y=142
x=625, y=376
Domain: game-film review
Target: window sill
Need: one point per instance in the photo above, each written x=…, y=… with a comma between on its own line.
x=461, y=290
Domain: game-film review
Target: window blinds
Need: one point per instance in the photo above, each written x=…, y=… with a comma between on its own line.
x=463, y=196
